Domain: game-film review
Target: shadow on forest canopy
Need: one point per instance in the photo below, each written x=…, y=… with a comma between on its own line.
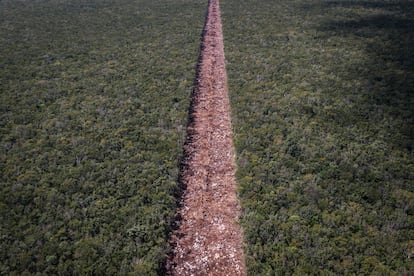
x=388, y=29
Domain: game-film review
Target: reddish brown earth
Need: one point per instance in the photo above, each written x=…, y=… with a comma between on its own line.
x=209, y=238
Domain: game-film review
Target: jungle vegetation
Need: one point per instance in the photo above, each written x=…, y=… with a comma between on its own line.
x=93, y=98
x=322, y=96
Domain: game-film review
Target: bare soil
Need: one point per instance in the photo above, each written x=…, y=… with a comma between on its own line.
x=209, y=240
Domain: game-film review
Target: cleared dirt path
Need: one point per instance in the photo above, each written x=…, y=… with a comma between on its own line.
x=209, y=240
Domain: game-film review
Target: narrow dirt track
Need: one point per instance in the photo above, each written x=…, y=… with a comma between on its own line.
x=209, y=239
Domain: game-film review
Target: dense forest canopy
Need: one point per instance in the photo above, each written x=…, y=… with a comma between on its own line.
x=94, y=97
x=323, y=100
